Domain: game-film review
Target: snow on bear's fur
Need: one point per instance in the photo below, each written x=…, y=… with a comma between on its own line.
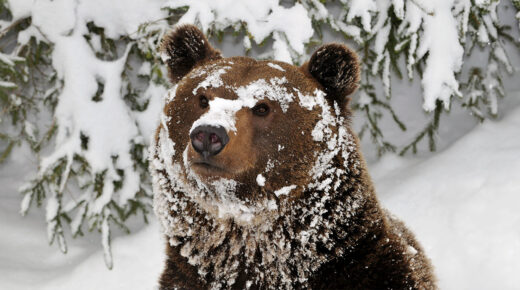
x=259, y=182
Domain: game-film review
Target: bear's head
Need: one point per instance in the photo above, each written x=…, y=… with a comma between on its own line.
x=258, y=179
x=255, y=161
x=240, y=137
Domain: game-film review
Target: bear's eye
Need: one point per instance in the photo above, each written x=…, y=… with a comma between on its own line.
x=261, y=110
x=203, y=101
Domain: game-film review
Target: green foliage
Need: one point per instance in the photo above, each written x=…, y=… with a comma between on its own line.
x=29, y=81
x=483, y=87
x=75, y=196
x=429, y=131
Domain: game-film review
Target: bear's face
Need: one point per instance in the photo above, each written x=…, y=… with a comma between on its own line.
x=251, y=132
x=265, y=131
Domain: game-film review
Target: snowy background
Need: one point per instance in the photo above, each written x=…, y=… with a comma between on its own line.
x=462, y=201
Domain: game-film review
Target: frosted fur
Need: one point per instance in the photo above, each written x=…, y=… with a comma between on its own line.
x=315, y=213
x=271, y=234
x=264, y=226
x=284, y=190
x=260, y=180
x=222, y=111
x=212, y=80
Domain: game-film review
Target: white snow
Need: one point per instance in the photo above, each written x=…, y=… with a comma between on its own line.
x=260, y=180
x=28, y=262
x=411, y=250
x=379, y=46
x=284, y=190
x=222, y=111
x=362, y=9
x=271, y=205
x=164, y=57
x=109, y=124
x=10, y=59
x=105, y=240
x=271, y=89
x=213, y=79
x=7, y=85
x=291, y=27
x=463, y=205
x=482, y=34
x=441, y=40
x=51, y=210
x=145, y=69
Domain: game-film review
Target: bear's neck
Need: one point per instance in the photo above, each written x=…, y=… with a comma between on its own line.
x=285, y=248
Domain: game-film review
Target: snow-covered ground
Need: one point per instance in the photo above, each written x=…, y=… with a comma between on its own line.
x=28, y=262
x=463, y=204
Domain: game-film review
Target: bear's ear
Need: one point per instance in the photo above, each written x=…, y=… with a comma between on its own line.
x=336, y=68
x=183, y=49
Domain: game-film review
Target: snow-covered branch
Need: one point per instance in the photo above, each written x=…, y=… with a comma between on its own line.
x=94, y=67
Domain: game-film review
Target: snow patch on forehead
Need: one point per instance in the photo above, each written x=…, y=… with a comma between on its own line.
x=272, y=90
x=213, y=79
x=222, y=111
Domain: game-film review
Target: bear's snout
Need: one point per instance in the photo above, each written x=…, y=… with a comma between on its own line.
x=209, y=140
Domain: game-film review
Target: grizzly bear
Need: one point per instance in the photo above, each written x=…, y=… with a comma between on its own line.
x=259, y=182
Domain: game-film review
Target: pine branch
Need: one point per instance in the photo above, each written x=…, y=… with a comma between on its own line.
x=429, y=132
x=32, y=88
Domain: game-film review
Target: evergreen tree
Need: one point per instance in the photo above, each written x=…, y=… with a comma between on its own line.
x=102, y=81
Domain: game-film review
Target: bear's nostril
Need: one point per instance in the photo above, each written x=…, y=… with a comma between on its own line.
x=209, y=140
x=200, y=136
x=214, y=138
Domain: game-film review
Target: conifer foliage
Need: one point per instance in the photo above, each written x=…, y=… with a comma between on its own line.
x=82, y=82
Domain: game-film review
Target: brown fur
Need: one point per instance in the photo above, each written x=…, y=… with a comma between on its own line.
x=185, y=48
x=328, y=233
x=336, y=67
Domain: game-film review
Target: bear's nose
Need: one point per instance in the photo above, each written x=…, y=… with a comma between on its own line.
x=209, y=140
